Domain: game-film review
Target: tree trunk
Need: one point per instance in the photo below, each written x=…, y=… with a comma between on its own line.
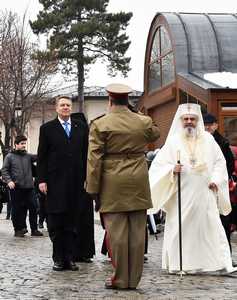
x=7, y=136
x=80, y=78
x=80, y=86
x=80, y=68
x=3, y=148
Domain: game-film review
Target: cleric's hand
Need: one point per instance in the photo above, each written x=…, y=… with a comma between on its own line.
x=212, y=186
x=177, y=168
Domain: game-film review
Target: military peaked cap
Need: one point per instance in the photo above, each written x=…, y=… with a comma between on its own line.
x=118, y=88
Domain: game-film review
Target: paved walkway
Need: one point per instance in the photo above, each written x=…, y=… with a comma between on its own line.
x=26, y=274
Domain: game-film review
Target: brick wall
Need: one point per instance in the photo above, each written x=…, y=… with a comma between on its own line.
x=163, y=116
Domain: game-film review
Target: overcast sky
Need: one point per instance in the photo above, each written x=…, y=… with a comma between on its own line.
x=143, y=13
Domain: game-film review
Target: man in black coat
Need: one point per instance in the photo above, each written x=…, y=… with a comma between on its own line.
x=211, y=126
x=62, y=156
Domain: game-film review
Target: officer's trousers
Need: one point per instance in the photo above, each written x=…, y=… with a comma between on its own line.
x=125, y=243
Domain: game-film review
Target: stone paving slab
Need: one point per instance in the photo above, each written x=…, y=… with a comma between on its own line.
x=26, y=274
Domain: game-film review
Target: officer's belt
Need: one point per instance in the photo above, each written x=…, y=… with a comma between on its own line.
x=123, y=155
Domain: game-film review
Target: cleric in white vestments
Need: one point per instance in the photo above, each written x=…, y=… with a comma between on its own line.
x=204, y=194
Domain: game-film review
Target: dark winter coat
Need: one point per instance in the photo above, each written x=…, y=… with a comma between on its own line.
x=225, y=148
x=62, y=164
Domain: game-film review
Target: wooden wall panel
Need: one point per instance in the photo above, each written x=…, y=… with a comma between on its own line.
x=163, y=116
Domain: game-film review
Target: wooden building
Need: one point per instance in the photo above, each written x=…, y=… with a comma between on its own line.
x=185, y=55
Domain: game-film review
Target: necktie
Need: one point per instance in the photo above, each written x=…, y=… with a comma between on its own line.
x=66, y=128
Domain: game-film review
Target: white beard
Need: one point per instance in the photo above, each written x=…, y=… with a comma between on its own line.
x=190, y=131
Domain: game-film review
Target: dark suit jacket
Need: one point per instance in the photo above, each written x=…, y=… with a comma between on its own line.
x=62, y=164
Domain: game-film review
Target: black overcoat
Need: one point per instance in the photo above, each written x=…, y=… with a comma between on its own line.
x=225, y=148
x=62, y=164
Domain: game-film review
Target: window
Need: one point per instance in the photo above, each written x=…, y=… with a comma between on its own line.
x=230, y=129
x=229, y=106
x=187, y=98
x=161, y=65
x=167, y=69
x=165, y=41
x=154, y=76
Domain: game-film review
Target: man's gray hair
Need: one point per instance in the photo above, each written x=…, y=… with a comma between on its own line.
x=58, y=98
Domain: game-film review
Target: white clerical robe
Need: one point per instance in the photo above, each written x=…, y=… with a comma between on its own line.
x=205, y=246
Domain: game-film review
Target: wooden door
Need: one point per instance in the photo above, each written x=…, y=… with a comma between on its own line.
x=228, y=120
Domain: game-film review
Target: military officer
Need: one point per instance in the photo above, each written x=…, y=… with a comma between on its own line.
x=117, y=179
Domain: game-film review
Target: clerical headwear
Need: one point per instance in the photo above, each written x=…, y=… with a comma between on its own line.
x=186, y=109
x=189, y=109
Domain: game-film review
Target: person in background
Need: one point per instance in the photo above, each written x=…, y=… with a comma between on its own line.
x=1, y=193
x=42, y=209
x=4, y=151
x=84, y=246
x=211, y=125
x=233, y=192
x=17, y=173
x=4, y=192
x=9, y=209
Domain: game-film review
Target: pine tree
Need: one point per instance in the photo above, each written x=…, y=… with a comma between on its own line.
x=82, y=31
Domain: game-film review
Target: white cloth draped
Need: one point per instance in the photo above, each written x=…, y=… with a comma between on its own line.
x=205, y=247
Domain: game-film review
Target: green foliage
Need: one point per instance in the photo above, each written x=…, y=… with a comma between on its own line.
x=81, y=31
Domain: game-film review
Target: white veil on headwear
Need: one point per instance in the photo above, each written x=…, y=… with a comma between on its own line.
x=186, y=109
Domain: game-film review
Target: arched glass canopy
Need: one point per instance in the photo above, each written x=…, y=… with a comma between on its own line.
x=161, y=63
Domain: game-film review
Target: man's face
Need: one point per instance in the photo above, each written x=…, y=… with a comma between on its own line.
x=211, y=127
x=64, y=108
x=21, y=146
x=189, y=123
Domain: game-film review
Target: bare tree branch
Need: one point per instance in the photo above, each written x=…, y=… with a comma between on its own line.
x=25, y=73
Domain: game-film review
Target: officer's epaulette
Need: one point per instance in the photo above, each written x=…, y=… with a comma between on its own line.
x=97, y=118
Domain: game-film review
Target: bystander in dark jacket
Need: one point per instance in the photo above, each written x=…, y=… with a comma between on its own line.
x=211, y=126
x=17, y=173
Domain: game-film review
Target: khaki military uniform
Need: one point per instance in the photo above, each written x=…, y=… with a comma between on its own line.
x=117, y=171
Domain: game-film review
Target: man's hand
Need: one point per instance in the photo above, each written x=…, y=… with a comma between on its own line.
x=11, y=185
x=177, y=169
x=212, y=186
x=96, y=198
x=43, y=187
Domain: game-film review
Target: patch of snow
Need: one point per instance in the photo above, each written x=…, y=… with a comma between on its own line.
x=224, y=79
